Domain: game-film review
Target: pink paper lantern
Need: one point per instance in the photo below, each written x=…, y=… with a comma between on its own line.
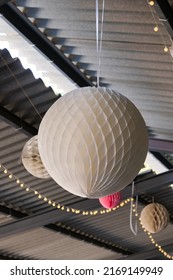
x=110, y=201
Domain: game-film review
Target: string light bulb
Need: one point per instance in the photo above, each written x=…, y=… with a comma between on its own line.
x=59, y=206
x=166, y=49
x=151, y=3
x=156, y=28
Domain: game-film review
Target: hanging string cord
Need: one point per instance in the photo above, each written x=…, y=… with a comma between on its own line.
x=99, y=40
x=17, y=81
x=156, y=23
x=131, y=211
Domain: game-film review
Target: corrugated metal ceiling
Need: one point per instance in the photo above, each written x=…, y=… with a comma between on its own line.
x=132, y=62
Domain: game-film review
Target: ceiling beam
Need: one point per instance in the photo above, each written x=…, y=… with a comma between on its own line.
x=157, y=182
x=162, y=159
x=44, y=218
x=118, y=249
x=16, y=122
x=68, y=232
x=47, y=217
x=30, y=31
x=159, y=145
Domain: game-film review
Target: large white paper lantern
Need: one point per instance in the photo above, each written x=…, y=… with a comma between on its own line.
x=93, y=141
x=154, y=217
x=31, y=159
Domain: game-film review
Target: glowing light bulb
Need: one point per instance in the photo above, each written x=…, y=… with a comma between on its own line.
x=151, y=3
x=156, y=28
x=166, y=49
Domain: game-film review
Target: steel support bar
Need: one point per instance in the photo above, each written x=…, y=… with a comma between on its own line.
x=160, y=145
x=159, y=181
x=27, y=28
x=162, y=159
x=16, y=122
x=65, y=231
x=42, y=219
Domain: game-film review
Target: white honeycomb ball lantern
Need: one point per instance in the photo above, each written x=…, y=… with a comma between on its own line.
x=93, y=141
x=154, y=217
x=31, y=159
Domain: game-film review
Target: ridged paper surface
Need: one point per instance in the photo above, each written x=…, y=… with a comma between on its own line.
x=110, y=201
x=154, y=217
x=93, y=142
x=31, y=159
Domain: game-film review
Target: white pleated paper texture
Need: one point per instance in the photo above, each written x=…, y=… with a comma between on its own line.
x=154, y=217
x=31, y=159
x=93, y=142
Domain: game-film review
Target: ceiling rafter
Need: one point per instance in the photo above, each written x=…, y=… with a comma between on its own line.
x=16, y=122
x=56, y=228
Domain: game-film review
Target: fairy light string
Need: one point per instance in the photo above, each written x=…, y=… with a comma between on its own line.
x=54, y=204
x=150, y=236
x=156, y=28
x=102, y=211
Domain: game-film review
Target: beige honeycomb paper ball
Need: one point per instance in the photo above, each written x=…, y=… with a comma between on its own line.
x=93, y=141
x=31, y=159
x=154, y=217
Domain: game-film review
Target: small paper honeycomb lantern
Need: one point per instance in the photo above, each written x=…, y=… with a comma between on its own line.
x=154, y=217
x=93, y=141
x=110, y=201
x=31, y=159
